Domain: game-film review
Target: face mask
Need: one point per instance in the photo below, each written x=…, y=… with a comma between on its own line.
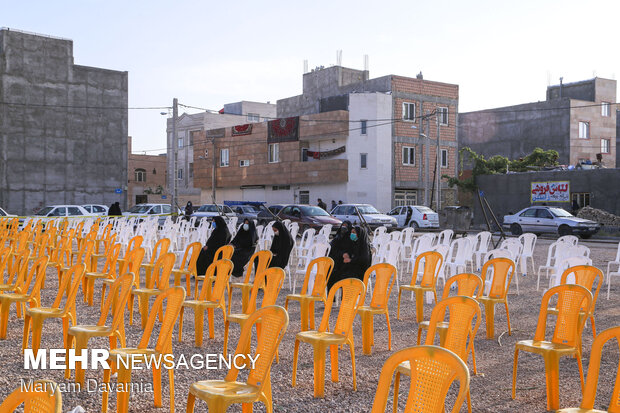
x=275, y=233
x=246, y=227
x=213, y=225
x=353, y=237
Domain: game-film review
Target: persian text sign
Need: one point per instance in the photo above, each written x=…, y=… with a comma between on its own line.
x=553, y=191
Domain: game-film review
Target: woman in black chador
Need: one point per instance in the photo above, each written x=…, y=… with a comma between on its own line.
x=219, y=237
x=281, y=246
x=189, y=210
x=352, y=256
x=245, y=244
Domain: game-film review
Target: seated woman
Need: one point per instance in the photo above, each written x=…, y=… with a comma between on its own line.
x=281, y=245
x=352, y=257
x=245, y=245
x=219, y=237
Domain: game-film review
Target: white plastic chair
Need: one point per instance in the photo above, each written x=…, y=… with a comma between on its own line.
x=396, y=236
x=610, y=273
x=445, y=237
x=378, y=231
x=458, y=255
x=326, y=230
x=528, y=241
x=420, y=245
x=316, y=250
x=571, y=239
x=563, y=265
x=481, y=247
x=515, y=247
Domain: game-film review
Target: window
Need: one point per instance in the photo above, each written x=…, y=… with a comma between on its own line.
x=529, y=213
x=154, y=171
x=253, y=117
x=140, y=175
x=190, y=170
x=409, y=111
x=142, y=199
x=180, y=142
x=363, y=160
x=395, y=211
x=584, y=130
x=444, y=158
x=408, y=155
x=281, y=187
x=304, y=197
x=363, y=127
x=244, y=162
x=443, y=115
x=583, y=198
x=166, y=209
x=304, y=154
x=405, y=197
x=604, y=145
x=73, y=211
x=274, y=152
x=224, y=157
x=180, y=174
x=606, y=109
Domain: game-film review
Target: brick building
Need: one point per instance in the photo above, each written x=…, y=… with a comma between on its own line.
x=146, y=180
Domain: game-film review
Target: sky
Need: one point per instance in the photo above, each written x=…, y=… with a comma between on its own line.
x=208, y=53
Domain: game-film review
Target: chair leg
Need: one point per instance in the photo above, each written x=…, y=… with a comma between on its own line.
x=295, y=354
x=396, y=386
x=508, y=317
x=352, y=350
x=398, y=306
x=319, y=371
x=419, y=305
x=181, y=325
x=389, y=328
x=191, y=401
x=514, y=373
x=552, y=367
x=489, y=313
x=333, y=352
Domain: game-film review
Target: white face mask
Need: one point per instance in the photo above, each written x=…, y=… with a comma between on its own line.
x=246, y=227
x=275, y=233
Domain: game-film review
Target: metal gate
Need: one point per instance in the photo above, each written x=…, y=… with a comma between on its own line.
x=405, y=197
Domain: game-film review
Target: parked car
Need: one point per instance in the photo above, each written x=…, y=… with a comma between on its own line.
x=145, y=210
x=3, y=213
x=62, y=211
x=208, y=211
x=264, y=216
x=308, y=216
x=545, y=219
x=374, y=218
x=415, y=216
x=244, y=212
x=96, y=209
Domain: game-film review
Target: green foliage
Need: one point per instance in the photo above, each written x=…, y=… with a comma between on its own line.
x=498, y=164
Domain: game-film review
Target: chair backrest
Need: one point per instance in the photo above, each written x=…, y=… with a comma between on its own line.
x=19, y=268
x=307, y=237
x=262, y=259
x=378, y=231
x=214, y=291
x=111, y=259
x=503, y=270
x=320, y=249
x=225, y=252
x=5, y=255
x=463, y=248
x=467, y=284
x=42, y=397
x=513, y=245
x=570, y=239
x=119, y=293
x=161, y=247
x=31, y=286
x=445, y=237
x=499, y=253
x=322, y=267
x=483, y=239
x=396, y=236
x=407, y=236
x=462, y=311
x=133, y=261
x=85, y=252
x=273, y=324
x=385, y=276
x=528, y=241
x=190, y=256
x=423, y=243
x=173, y=298
x=69, y=286
x=572, y=299
x=135, y=242
x=433, y=370
x=587, y=276
x=160, y=277
x=580, y=250
x=270, y=281
x=589, y=393
x=353, y=294
x=433, y=261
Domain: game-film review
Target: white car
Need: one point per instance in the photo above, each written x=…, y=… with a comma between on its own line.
x=148, y=210
x=545, y=219
x=208, y=211
x=415, y=216
x=374, y=218
x=62, y=211
x=3, y=213
x=96, y=209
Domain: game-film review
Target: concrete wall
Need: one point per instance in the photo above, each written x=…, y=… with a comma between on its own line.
x=64, y=137
x=515, y=131
x=601, y=127
x=617, y=137
x=511, y=193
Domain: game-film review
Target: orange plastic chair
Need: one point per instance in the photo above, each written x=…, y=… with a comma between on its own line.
x=27, y=291
x=108, y=272
x=262, y=259
x=35, y=316
x=571, y=300
x=353, y=294
x=188, y=265
x=224, y=252
x=113, y=306
x=133, y=261
x=135, y=242
x=467, y=285
x=212, y=296
x=458, y=334
x=586, y=276
x=271, y=280
x=322, y=267
x=385, y=276
x=159, y=282
x=503, y=271
x=173, y=298
x=108, y=240
x=589, y=393
x=433, y=370
x=219, y=394
x=43, y=397
x=432, y=264
x=17, y=273
x=161, y=247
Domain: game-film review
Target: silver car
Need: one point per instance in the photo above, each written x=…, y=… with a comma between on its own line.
x=545, y=219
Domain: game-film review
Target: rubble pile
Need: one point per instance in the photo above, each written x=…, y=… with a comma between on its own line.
x=599, y=215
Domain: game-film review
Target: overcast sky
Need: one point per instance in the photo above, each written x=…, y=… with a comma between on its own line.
x=207, y=53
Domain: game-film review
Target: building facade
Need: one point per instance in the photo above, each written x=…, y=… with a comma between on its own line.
x=359, y=140
x=63, y=127
x=146, y=180
x=189, y=128
x=578, y=120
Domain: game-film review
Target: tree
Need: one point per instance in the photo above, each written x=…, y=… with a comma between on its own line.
x=498, y=164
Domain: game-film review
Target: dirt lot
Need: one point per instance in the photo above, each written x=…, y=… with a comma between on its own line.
x=490, y=389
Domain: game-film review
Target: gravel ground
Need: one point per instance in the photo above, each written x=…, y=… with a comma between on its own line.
x=490, y=389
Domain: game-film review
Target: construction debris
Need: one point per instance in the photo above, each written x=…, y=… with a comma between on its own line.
x=599, y=215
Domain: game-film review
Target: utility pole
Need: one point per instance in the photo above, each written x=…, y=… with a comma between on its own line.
x=438, y=166
x=213, y=179
x=175, y=114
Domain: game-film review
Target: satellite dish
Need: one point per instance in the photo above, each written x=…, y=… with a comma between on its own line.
x=206, y=153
